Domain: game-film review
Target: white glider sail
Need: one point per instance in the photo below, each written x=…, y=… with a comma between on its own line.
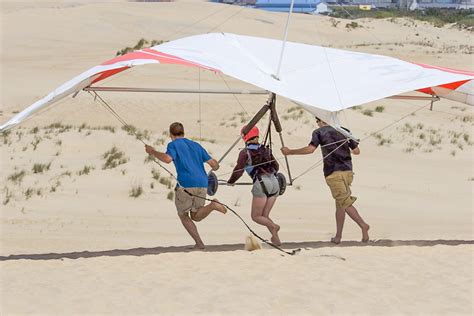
x=322, y=80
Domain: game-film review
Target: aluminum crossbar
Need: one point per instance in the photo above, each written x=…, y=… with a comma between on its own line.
x=202, y=91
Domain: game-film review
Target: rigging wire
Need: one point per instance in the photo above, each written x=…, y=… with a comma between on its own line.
x=128, y=127
x=226, y=20
x=255, y=165
x=333, y=78
x=372, y=134
x=225, y=7
x=396, y=121
x=199, y=96
x=320, y=161
x=233, y=94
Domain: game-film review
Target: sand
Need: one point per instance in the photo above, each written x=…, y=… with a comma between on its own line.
x=73, y=240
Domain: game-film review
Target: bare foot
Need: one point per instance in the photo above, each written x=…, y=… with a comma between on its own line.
x=275, y=238
x=336, y=240
x=218, y=206
x=197, y=247
x=365, y=233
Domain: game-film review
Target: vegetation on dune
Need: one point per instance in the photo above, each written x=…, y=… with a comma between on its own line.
x=17, y=177
x=142, y=43
x=136, y=191
x=8, y=195
x=113, y=158
x=133, y=131
x=437, y=17
x=41, y=167
x=86, y=170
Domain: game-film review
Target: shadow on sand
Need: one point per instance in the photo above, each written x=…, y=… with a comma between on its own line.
x=230, y=247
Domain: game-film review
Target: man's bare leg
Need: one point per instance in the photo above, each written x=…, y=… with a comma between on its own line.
x=203, y=212
x=266, y=213
x=352, y=212
x=340, y=218
x=192, y=230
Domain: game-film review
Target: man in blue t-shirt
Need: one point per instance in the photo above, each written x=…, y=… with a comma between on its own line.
x=189, y=158
x=336, y=150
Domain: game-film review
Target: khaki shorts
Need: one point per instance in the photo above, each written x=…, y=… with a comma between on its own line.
x=186, y=203
x=339, y=182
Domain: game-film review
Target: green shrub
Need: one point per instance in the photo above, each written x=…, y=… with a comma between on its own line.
x=113, y=158
x=379, y=109
x=36, y=142
x=136, y=191
x=368, y=112
x=85, y=170
x=40, y=167
x=165, y=181
x=155, y=174
x=353, y=25
x=17, y=177
x=140, y=44
x=8, y=196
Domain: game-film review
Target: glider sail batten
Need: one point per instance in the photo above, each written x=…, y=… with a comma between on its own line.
x=324, y=80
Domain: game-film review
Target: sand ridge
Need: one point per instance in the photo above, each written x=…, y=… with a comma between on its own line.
x=101, y=250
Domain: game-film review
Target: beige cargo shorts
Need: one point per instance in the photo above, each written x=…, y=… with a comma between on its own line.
x=187, y=203
x=339, y=183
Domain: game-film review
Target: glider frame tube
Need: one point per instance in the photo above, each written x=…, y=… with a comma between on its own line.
x=200, y=91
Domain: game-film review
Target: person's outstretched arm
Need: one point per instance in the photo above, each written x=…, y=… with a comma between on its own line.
x=299, y=151
x=239, y=167
x=157, y=154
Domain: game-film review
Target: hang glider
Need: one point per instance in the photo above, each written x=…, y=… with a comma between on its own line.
x=322, y=80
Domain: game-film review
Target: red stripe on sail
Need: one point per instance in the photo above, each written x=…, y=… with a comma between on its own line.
x=170, y=59
x=129, y=56
x=147, y=54
x=109, y=73
x=450, y=86
x=451, y=70
x=162, y=58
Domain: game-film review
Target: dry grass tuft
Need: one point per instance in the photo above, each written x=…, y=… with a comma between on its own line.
x=113, y=158
x=17, y=177
x=40, y=167
x=136, y=191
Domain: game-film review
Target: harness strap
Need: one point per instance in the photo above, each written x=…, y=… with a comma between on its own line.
x=264, y=187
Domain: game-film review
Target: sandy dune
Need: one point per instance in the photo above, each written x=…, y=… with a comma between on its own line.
x=73, y=241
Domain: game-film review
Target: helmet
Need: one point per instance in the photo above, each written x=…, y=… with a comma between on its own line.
x=254, y=132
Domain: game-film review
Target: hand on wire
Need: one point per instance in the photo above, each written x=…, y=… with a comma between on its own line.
x=285, y=151
x=149, y=150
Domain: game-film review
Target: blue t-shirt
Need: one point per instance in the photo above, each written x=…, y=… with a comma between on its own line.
x=189, y=158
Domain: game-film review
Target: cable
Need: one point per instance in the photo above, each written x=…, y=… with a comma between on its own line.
x=225, y=7
x=370, y=135
x=235, y=97
x=320, y=161
x=126, y=125
x=226, y=20
x=199, y=97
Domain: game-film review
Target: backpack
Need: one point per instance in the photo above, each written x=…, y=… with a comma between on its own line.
x=260, y=161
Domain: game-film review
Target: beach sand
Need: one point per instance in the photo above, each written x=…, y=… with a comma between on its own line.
x=73, y=240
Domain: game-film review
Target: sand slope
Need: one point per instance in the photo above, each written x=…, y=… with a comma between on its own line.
x=414, y=180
